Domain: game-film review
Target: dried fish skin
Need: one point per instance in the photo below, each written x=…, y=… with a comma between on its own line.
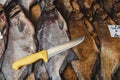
x=2, y=77
x=3, y=37
x=31, y=9
x=116, y=12
x=109, y=46
x=64, y=6
x=3, y=30
x=2, y=47
x=87, y=51
x=107, y=5
x=20, y=44
x=51, y=33
x=109, y=51
x=87, y=4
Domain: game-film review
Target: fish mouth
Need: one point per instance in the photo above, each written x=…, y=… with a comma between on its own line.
x=15, y=10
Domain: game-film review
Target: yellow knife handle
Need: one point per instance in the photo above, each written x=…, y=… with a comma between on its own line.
x=30, y=59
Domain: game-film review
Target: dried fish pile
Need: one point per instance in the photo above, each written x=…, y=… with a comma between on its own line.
x=29, y=26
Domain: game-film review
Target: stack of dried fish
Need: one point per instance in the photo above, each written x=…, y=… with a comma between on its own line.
x=3, y=36
x=28, y=26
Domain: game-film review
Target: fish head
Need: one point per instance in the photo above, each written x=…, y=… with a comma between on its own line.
x=67, y=6
x=47, y=5
x=76, y=7
x=64, y=7
x=17, y=16
x=14, y=10
x=26, y=3
x=100, y=14
x=88, y=3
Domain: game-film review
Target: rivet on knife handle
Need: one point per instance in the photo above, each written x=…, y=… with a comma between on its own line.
x=30, y=59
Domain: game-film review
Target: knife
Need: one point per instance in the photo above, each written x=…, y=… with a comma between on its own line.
x=46, y=54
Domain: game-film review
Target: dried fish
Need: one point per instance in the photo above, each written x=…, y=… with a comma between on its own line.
x=85, y=3
x=107, y=5
x=49, y=34
x=3, y=30
x=31, y=77
x=87, y=52
x=116, y=12
x=25, y=3
x=2, y=77
x=31, y=8
x=109, y=47
x=76, y=10
x=87, y=8
x=3, y=37
x=88, y=3
x=64, y=7
x=20, y=43
x=69, y=74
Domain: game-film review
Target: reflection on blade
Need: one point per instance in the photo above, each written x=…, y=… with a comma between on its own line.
x=58, y=49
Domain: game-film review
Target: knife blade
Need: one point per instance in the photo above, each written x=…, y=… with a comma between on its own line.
x=46, y=54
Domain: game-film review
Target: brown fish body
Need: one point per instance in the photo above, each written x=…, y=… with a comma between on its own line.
x=64, y=7
x=20, y=43
x=85, y=3
x=109, y=51
x=116, y=13
x=109, y=45
x=109, y=62
x=107, y=5
x=87, y=52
